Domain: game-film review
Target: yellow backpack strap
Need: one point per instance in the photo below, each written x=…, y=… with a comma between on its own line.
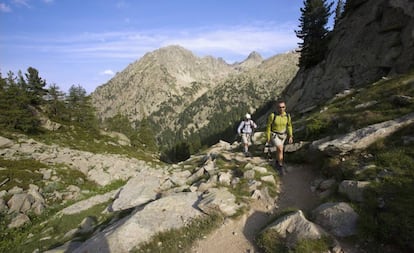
x=273, y=121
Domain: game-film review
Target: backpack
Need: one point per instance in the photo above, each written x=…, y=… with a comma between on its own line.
x=244, y=125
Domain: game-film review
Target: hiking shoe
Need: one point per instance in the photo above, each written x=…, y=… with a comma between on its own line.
x=283, y=169
x=280, y=169
x=247, y=154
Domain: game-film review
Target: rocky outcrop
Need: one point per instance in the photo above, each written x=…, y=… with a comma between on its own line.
x=373, y=39
x=362, y=138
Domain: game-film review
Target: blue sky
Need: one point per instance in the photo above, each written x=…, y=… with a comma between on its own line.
x=85, y=42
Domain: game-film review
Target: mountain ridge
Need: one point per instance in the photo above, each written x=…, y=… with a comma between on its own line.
x=168, y=83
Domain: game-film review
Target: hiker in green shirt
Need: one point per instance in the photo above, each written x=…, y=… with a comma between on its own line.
x=278, y=129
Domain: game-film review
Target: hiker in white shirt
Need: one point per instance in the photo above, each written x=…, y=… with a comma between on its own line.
x=245, y=130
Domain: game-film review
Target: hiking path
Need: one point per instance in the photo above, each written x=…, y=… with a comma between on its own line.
x=238, y=235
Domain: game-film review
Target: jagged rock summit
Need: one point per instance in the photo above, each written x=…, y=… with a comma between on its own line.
x=253, y=60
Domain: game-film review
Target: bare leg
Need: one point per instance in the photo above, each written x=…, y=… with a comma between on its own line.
x=279, y=154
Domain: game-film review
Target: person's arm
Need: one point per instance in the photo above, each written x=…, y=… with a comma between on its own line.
x=268, y=126
x=240, y=127
x=254, y=125
x=290, y=129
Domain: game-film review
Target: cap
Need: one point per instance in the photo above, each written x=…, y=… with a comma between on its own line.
x=248, y=116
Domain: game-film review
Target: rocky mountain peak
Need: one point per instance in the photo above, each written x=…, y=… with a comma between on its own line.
x=254, y=56
x=253, y=60
x=144, y=85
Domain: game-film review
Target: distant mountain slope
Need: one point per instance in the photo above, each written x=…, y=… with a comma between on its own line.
x=139, y=90
x=179, y=92
x=221, y=107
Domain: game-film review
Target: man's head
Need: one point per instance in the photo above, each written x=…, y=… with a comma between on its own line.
x=281, y=106
x=247, y=116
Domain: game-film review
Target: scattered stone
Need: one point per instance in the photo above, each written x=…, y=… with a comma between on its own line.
x=261, y=170
x=327, y=184
x=225, y=178
x=353, y=189
x=20, y=202
x=180, y=177
x=219, y=200
x=195, y=176
x=5, y=143
x=38, y=207
x=268, y=179
x=19, y=221
x=249, y=174
x=15, y=190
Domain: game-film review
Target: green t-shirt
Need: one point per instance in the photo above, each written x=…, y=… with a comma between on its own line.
x=280, y=124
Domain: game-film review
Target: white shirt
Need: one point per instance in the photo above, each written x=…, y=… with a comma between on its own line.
x=246, y=126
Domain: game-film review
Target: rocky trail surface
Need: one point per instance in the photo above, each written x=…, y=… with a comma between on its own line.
x=237, y=236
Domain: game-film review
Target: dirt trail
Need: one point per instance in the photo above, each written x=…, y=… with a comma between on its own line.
x=237, y=236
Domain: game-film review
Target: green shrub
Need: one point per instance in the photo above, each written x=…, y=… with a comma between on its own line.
x=270, y=241
x=310, y=246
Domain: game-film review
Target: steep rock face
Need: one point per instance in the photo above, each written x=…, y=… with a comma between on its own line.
x=375, y=38
x=145, y=84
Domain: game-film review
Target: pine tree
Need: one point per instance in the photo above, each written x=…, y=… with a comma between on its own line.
x=80, y=108
x=15, y=111
x=35, y=86
x=339, y=11
x=55, y=106
x=313, y=31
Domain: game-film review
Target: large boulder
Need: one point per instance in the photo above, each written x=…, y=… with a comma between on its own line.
x=219, y=200
x=340, y=219
x=139, y=190
x=171, y=212
x=295, y=227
